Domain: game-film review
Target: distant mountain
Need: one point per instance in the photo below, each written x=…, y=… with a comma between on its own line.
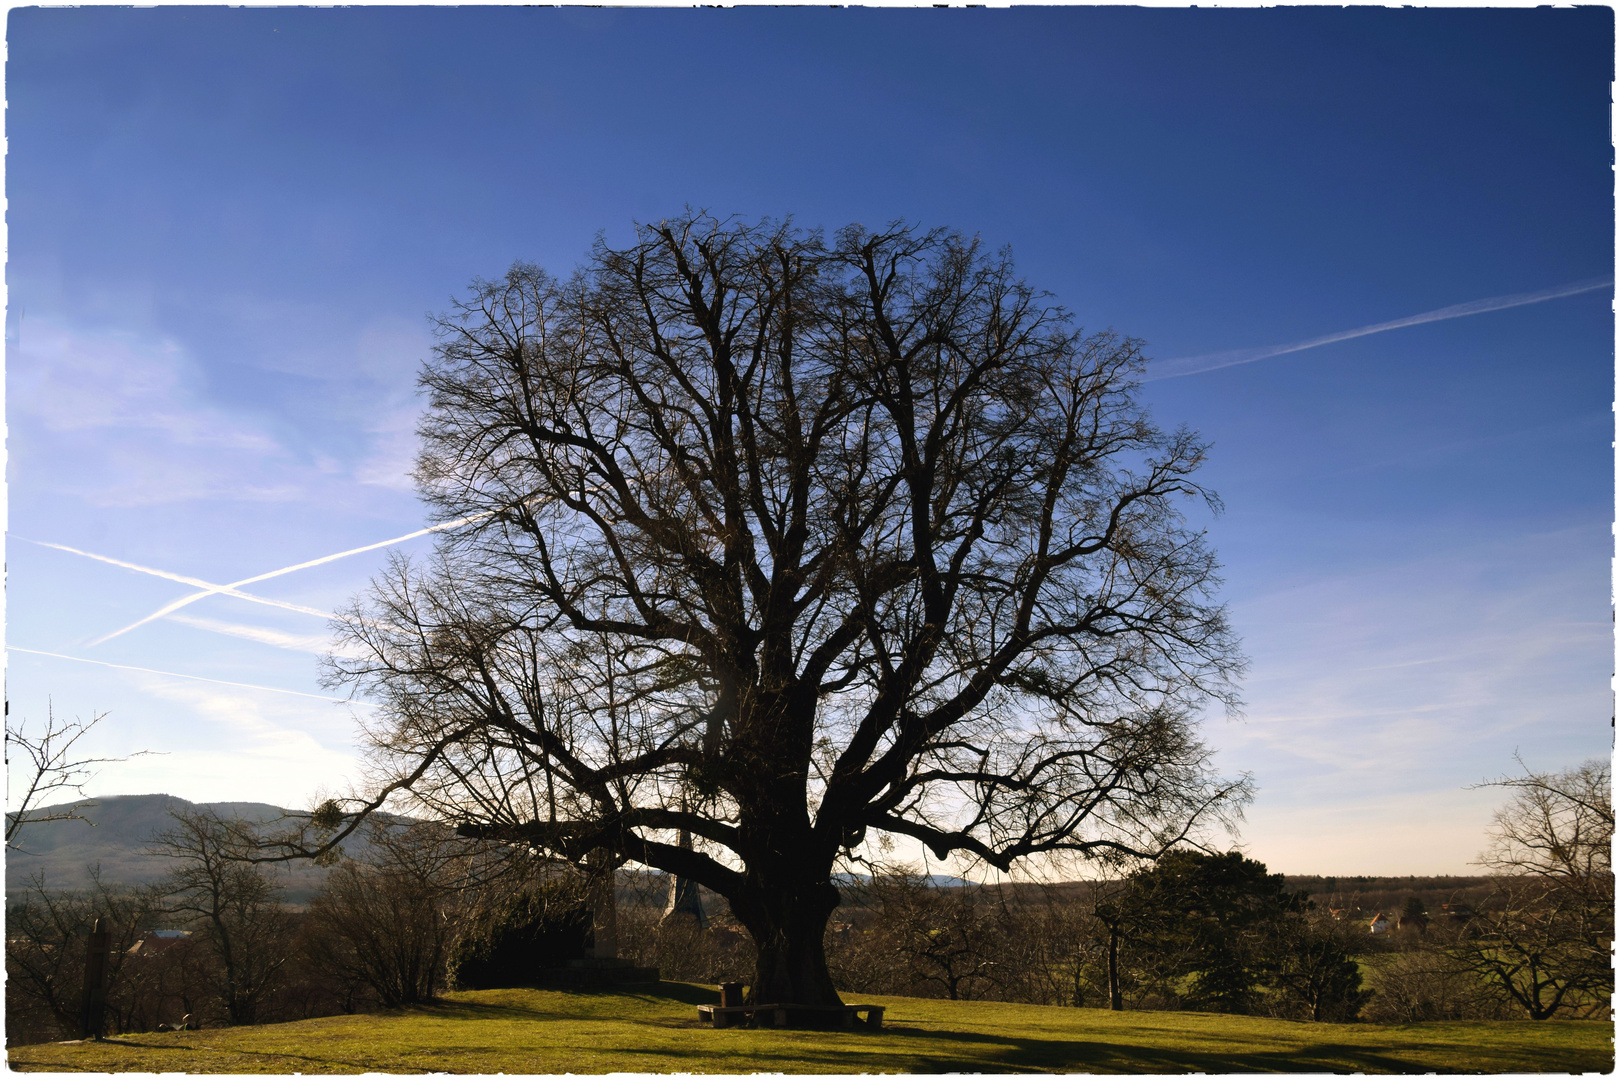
x=115, y=835
x=118, y=831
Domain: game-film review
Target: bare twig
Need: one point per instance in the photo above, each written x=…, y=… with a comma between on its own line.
x=53, y=767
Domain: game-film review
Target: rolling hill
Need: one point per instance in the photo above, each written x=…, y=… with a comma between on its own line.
x=116, y=835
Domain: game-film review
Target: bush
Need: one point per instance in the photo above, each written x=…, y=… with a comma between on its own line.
x=1427, y=985
x=543, y=926
x=379, y=929
x=683, y=950
x=1313, y=975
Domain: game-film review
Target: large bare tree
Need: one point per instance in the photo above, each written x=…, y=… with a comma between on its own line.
x=783, y=541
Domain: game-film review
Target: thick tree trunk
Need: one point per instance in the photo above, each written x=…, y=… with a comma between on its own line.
x=788, y=894
x=789, y=925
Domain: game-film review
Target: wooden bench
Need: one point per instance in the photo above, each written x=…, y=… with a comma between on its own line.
x=784, y=1015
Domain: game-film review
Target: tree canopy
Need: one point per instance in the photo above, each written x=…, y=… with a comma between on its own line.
x=785, y=540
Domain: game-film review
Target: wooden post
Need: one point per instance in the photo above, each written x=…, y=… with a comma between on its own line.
x=604, y=907
x=1116, y=1000
x=94, y=1002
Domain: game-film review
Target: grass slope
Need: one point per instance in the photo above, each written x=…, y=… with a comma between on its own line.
x=539, y=1031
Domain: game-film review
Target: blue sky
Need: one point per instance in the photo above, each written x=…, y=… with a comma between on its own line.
x=226, y=228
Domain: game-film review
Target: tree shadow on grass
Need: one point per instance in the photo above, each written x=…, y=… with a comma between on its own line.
x=576, y=1005
x=492, y=1010
x=684, y=993
x=1021, y=1053
x=340, y=1064
x=898, y=1048
x=14, y=1065
x=933, y=1050
x=856, y=1058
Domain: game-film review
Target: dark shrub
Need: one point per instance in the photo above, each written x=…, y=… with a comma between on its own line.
x=542, y=927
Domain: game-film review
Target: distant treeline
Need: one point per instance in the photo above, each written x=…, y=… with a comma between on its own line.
x=1391, y=894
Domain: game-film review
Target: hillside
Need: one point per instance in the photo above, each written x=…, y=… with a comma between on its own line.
x=115, y=835
x=655, y=1030
x=119, y=829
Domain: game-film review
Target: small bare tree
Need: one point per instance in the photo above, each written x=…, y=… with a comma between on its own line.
x=387, y=922
x=1546, y=942
x=52, y=768
x=944, y=939
x=47, y=931
x=232, y=906
x=1065, y=947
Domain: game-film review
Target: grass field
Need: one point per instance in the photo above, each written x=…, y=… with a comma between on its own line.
x=540, y=1031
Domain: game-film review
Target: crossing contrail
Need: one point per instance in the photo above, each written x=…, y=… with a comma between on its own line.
x=208, y=587
x=1194, y=365
x=233, y=589
x=178, y=675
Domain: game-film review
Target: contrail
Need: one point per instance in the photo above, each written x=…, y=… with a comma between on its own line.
x=368, y=547
x=178, y=675
x=210, y=589
x=310, y=643
x=1194, y=365
x=176, y=605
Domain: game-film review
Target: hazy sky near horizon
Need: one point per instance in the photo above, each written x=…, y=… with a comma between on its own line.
x=1369, y=250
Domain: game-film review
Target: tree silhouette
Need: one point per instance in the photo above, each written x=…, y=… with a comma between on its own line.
x=1547, y=940
x=784, y=540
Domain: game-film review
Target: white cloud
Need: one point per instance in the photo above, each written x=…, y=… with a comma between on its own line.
x=393, y=450
x=123, y=419
x=389, y=352
x=240, y=744
x=319, y=644
x=210, y=739
x=282, y=775
x=120, y=420
x=1384, y=694
x=72, y=381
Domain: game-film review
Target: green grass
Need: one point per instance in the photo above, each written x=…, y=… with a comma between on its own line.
x=541, y=1031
